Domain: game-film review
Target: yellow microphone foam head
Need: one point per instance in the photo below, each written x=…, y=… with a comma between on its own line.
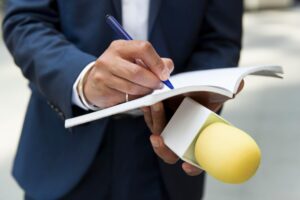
x=227, y=153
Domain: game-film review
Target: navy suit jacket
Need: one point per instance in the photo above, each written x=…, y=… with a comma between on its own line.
x=53, y=40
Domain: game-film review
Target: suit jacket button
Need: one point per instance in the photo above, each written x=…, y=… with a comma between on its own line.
x=61, y=115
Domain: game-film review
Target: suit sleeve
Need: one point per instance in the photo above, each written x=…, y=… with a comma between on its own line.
x=47, y=59
x=219, y=42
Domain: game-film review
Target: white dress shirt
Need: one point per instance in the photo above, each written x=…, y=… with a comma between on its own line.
x=135, y=14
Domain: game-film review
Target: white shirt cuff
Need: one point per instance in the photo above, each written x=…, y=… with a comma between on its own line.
x=75, y=96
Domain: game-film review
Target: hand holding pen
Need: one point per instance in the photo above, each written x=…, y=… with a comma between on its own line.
x=116, y=77
x=114, y=24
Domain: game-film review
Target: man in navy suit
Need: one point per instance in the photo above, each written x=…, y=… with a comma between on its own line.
x=57, y=43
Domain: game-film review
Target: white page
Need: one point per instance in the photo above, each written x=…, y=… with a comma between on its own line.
x=227, y=78
x=223, y=81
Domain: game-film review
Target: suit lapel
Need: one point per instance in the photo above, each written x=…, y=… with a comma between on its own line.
x=153, y=12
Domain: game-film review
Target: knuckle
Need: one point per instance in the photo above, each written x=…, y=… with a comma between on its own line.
x=102, y=62
x=116, y=45
x=145, y=45
x=137, y=72
x=132, y=90
x=170, y=63
x=98, y=77
x=137, y=90
x=159, y=64
x=101, y=77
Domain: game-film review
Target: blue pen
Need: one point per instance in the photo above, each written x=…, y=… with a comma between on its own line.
x=114, y=24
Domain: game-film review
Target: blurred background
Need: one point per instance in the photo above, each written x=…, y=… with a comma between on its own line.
x=268, y=109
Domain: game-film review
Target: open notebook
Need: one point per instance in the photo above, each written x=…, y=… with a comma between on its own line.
x=222, y=81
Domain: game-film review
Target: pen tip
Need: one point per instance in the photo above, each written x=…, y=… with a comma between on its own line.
x=169, y=84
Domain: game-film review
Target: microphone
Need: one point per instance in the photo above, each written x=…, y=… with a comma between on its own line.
x=227, y=153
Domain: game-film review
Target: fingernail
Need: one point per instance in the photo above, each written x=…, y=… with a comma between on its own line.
x=156, y=107
x=144, y=109
x=188, y=170
x=154, y=142
x=165, y=74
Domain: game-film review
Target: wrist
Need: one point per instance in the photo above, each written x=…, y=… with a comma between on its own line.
x=81, y=86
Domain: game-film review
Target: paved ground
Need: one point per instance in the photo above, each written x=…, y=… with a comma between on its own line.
x=13, y=100
x=268, y=109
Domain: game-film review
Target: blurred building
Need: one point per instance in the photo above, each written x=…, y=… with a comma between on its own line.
x=262, y=4
x=249, y=4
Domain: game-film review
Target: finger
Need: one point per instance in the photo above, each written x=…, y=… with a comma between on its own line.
x=140, y=63
x=162, y=150
x=104, y=96
x=148, y=117
x=241, y=86
x=126, y=86
x=142, y=50
x=168, y=63
x=135, y=73
x=104, y=87
x=158, y=118
x=105, y=81
x=216, y=107
x=190, y=169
